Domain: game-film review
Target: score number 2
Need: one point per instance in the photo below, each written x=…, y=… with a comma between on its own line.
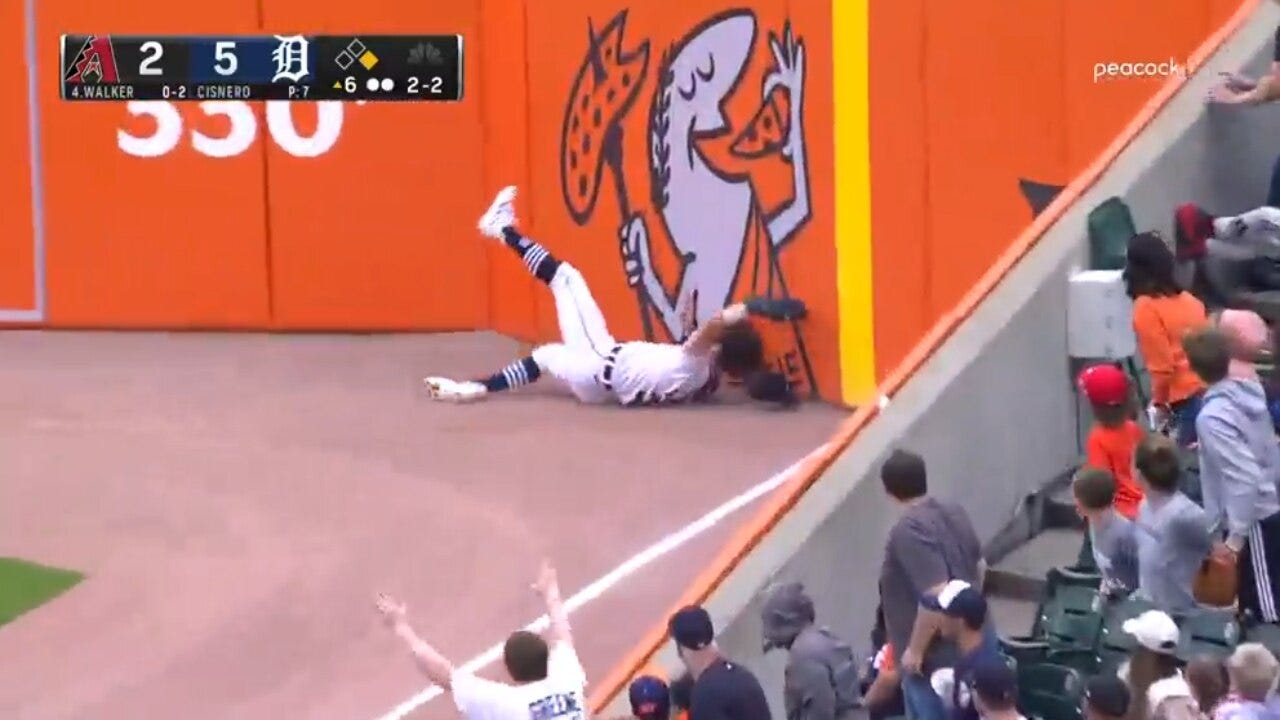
x=152, y=51
x=225, y=61
x=434, y=85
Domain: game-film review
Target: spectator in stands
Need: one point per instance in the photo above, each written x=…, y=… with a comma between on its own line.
x=1106, y=697
x=722, y=689
x=882, y=685
x=1245, y=248
x=821, y=677
x=1111, y=534
x=1171, y=699
x=1252, y=672
x=932, y=543
x=1154, y=659
x=1207, y=677
x=1249, y=236
x=650, y=698
x=1239, y=472
x=1172, y=532
x=995, y=691
x=1247, y=338
x=682, y=695
x=1250, y=339
x=1236, y=89
x=1162, y=313
x=966, y=624
x=547, y=677
x=1114, y=434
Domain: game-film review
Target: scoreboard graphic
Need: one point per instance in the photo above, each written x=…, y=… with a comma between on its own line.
x=313, y=68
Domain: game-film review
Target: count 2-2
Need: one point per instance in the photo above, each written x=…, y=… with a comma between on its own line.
x=433, y=85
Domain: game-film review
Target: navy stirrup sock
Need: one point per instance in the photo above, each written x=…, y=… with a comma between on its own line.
x=521, y=372
x=541, y=263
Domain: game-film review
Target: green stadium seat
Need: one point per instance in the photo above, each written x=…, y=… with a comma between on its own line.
x=1110, y=225
x=1050, y=692
x=1065, y=599
x=1069, y=631
x=1214, y=633
x=1085, y=576
x=1114, y=644
x=1084, y=660
x=1024, y=651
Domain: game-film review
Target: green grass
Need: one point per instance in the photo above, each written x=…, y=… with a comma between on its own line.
x=25, y=586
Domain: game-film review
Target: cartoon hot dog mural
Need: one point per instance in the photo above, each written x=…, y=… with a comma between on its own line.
x=725, y=241
x=607, y=84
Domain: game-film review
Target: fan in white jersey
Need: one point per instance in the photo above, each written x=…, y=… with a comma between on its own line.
x=599, y=369
x=548, y=682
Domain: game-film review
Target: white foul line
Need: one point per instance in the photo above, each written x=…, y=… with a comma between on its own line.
x=613, y=577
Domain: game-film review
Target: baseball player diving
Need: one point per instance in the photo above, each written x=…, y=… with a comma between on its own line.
x=597, y=368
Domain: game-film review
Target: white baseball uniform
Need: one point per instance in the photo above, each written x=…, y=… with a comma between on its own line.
x=597, y=368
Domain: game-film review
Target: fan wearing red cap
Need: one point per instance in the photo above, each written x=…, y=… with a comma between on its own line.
x=1114, y=435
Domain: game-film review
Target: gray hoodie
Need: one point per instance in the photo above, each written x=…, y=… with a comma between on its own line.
x=821, y=681
x=1239, y=457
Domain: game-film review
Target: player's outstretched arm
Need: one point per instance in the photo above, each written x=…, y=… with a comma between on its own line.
x=548, y=586
x=707, y=335
x=435, y=666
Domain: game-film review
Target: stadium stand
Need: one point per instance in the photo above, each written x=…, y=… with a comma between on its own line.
x=1005, y=365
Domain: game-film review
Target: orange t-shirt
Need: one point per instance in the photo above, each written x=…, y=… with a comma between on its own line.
x=1111, y=449
x=887, y=663
x=1160, y=323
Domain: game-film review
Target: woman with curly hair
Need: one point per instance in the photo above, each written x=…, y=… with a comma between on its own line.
x=1162, y=314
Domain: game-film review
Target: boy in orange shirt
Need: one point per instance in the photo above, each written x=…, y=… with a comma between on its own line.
x=1114, y=434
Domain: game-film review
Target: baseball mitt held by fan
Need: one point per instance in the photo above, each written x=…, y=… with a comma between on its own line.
x=777, y=308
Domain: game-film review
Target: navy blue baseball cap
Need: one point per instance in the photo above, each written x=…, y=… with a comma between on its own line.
x=650, y=698
x=1108, y=695
x=691, y=628
x=958, y=599
x=995, y=682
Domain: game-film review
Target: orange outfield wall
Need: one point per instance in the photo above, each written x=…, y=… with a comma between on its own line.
x=1007, y=96
x=361, y=217
x=342, y=216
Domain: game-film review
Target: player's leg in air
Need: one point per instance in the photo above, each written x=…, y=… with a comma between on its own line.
x=585, y=341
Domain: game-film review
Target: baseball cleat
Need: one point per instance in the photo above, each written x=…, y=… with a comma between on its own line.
x=453, y=391
x=500, y=215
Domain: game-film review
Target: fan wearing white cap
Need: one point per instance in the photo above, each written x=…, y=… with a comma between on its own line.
x=964, y=613
x=1155, y=658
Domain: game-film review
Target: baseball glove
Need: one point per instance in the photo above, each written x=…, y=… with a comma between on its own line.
x=777, y=308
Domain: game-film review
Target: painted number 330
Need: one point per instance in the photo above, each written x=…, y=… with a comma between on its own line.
x=241, y=135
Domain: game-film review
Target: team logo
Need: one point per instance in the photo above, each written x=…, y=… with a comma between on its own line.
x=292, y=58
x=709, y=174
x=94, y=63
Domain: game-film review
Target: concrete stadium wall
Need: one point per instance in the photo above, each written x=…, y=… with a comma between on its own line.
x=993, y=411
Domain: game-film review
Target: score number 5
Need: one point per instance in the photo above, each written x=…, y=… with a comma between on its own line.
x=225, y=61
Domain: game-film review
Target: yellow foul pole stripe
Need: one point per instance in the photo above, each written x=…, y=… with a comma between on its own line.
x=853, y=200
